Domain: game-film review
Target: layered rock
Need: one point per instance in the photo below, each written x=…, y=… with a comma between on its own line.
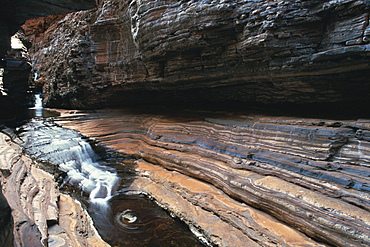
x=264, y=179
x=135, y=52
x=267, y=180
x=41, y=215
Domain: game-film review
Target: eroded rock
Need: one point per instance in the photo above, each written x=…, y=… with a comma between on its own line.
x=41, y=215
x=14, y=13
x=268, y=178
x=14, y=81
x=214, y=52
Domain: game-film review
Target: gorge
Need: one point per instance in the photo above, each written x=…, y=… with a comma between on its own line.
x=248, y=120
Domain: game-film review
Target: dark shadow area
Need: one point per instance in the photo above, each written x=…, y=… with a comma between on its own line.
x=6, y=222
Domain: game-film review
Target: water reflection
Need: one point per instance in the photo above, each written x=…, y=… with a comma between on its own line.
x=38, y=107
x=38, y=110
x=134, y=220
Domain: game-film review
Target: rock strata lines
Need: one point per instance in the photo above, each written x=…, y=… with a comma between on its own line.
x=308, y=174
x=242, y=52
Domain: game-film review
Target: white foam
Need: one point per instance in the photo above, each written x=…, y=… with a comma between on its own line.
x=38, y=102
x=74, y=156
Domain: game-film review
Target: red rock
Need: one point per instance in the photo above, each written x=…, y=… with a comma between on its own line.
x=41, y=216
x=308, y=175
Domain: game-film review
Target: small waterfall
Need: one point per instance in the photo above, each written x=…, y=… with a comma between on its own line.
x=38, y=101
x=73, y=155
x=122, y=219
x=38, y=107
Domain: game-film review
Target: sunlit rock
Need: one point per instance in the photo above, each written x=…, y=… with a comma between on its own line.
x=249, y=178
x=14, y=13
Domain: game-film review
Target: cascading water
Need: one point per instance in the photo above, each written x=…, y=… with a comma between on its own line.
x=53, y=144
x=38, y=107
x=122, y=217
x=48, y=142
x=38, y=101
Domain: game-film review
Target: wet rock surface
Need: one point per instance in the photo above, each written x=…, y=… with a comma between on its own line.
x=41, y=216
x=267, y=179
x=101, y=181
x=135, y=220
x=214, y=52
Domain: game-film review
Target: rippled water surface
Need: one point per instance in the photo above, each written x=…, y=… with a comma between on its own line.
x=135, y=219
x=100, y=181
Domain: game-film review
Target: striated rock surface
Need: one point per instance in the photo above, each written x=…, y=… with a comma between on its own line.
x=41, y=215
x=236, y=179
x=137, y=52
x=246, y=178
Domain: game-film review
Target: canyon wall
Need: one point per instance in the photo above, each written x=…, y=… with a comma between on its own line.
x=242, y=52
x=14, y=13
x=265, y=180
x=14, y=90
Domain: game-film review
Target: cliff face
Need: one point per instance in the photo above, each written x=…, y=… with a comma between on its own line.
x=133, y=52
x=270, y=181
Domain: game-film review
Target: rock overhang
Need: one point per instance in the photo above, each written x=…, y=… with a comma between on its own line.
x=210, y=52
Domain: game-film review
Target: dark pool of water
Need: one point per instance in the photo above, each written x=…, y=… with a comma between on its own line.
x=134, y=220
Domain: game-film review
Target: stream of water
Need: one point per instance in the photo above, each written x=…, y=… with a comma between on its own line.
x=99, y=178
